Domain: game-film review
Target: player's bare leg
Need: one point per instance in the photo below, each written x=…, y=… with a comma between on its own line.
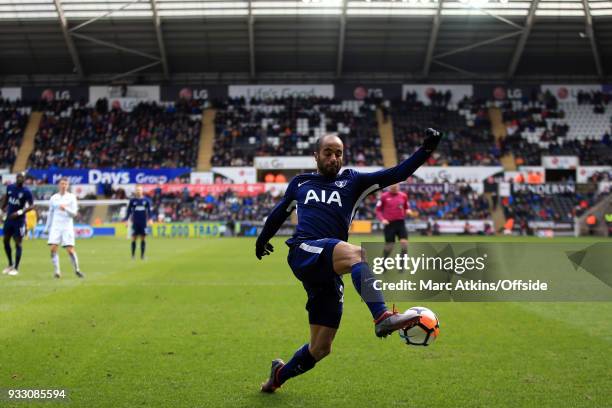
x=349, y=258
x=74, y=259
x=55, y=261
x=321, y=339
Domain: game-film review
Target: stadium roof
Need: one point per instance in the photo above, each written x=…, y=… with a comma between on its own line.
x=188, y=41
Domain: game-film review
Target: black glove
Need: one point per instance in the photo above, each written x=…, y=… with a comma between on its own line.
x=432, y=138
x=263, y=249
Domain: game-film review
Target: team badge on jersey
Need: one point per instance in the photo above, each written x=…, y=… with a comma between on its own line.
x=341, y=183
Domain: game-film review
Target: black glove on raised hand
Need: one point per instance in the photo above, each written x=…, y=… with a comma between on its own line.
x=432, y=138
x=263, y=249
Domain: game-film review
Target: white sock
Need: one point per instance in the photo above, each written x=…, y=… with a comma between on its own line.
x=75, y=261
x=56, y=263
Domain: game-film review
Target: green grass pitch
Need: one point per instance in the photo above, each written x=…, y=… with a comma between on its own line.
x=197, y=324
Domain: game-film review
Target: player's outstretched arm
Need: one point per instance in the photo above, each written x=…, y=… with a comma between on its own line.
x=399, y=173
x=275, y=219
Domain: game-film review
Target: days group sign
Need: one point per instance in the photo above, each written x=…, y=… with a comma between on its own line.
x=110, y=176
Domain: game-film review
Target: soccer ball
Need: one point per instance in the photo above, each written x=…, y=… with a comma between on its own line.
x=425, y=331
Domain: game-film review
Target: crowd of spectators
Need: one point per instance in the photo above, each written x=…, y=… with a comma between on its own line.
x=463, y=203
x=13, y=121
x=534, y=130
x=151, y=135
x=598, y=176
x=460, y=204
x=73, y=134
x=467, y=135
x=589, y=152
x=184, y=207
x=596, y=98
x=525, y=206
x=290, y=126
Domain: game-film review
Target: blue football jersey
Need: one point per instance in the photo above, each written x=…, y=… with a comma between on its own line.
x=17, y=199
x=326, y=206
x=140, y=210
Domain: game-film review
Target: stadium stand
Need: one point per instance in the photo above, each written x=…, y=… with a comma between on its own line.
x=468, y=139
x=289, y=127
x=548, y=127
x=462, y=204
x=183, y=207
x=152, y=135
x=530, y=206
x=13, y=121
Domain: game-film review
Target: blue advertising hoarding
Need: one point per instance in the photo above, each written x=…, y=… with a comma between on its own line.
x=110, y=176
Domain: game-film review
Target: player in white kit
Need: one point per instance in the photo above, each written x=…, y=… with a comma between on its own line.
x=63, y=208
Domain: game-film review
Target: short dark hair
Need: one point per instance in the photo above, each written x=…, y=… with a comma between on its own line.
x=63, y=179
x=318, y=141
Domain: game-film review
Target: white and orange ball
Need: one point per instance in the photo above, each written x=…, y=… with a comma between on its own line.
x=425, y=331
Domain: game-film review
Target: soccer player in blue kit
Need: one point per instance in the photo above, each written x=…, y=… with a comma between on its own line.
x=139, y=208
x=19, y=201
x=319, y=255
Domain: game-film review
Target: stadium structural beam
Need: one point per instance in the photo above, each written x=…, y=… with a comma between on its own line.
x=135, y=70
x=478, y=44
x=76, y=61
x=341, y=40
x=158, y=60
x=520, y=45
x=160, y=39
x=497, y=17
x=108, y=13
x=590, y=32
x=116, y=47
x=433, y=38
x=454, y=68
x=251, y=25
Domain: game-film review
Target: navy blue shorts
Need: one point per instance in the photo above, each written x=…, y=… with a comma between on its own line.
x=139, y=230
x=312, y=263
x=14, y=228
